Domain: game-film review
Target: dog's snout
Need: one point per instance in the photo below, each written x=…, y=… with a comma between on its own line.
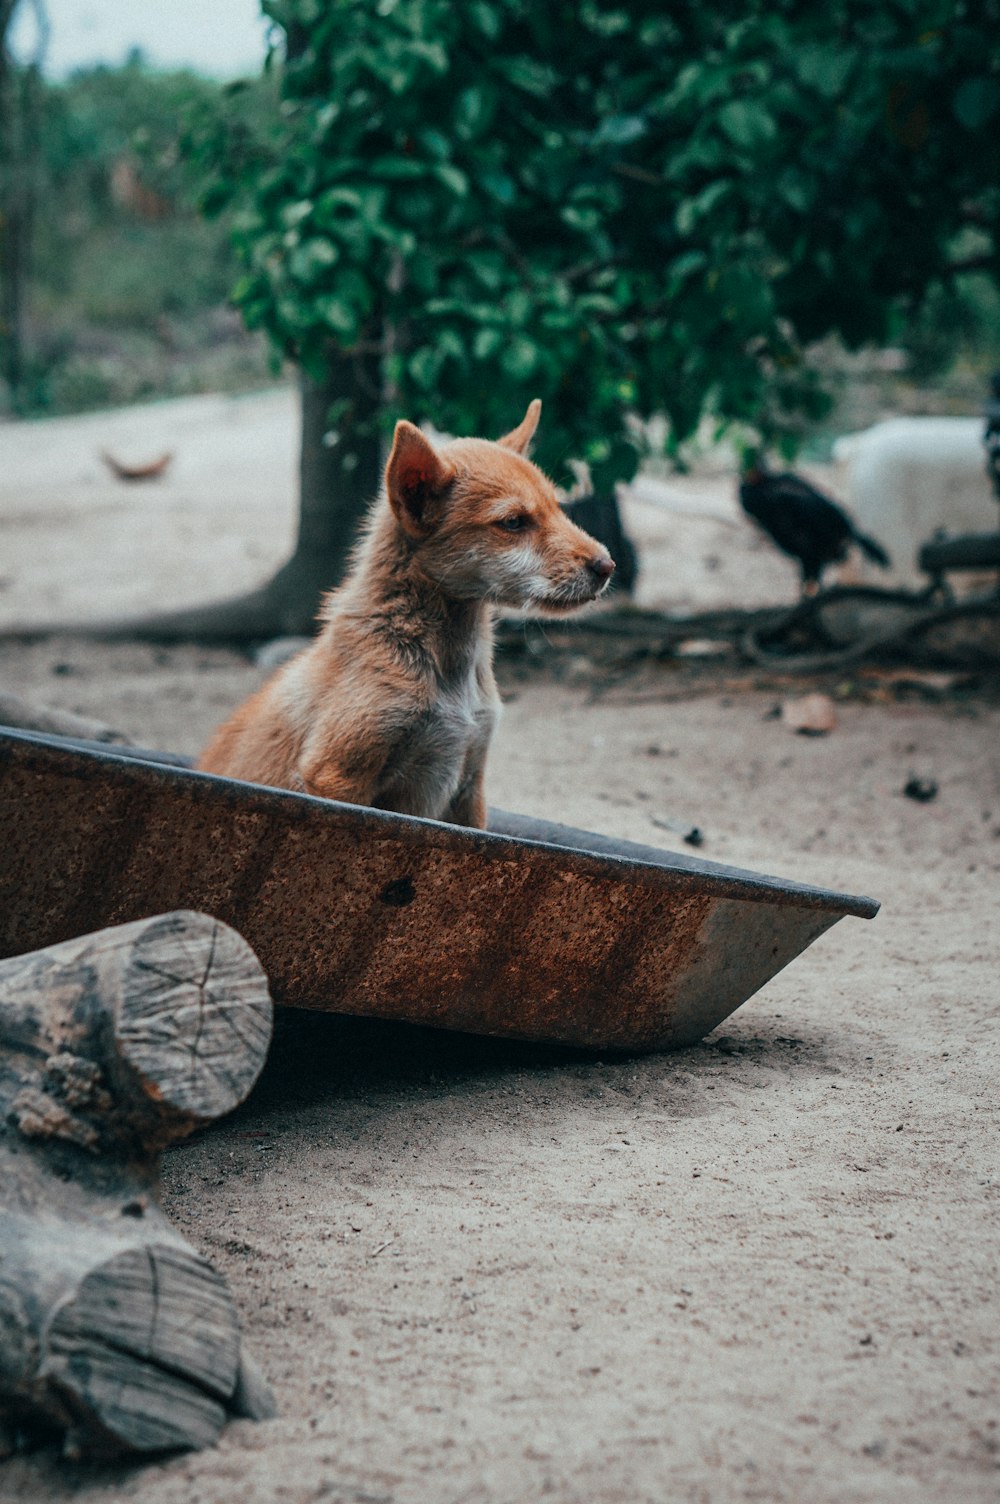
x=602, y=566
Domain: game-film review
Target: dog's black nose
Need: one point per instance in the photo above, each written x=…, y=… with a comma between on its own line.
x=601, y=565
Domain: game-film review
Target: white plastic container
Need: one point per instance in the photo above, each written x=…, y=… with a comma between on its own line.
x=908, y=477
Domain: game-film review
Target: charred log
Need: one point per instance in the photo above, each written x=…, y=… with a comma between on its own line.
x=114, y=1332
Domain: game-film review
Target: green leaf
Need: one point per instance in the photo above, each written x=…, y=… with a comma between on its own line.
x=619, y=130
x=474, y=109
x=583, y=217
x=499, y=185
x=683, y=267
x=431, y=53
x=452, y=177
x=519, y=306
x=519, y=357
x=309, y=260
x=747, y=124
x=424, y=367
x=795, y=189
x=451, y=346
x=487, y=18
x=293, y=214
x=529, y=74
x=294, y=315
x=435, y=143
x=242, y=289
x=336, y=204
x=486, y=343
x=373, y=198
x=337, y=315
x=976, y=101
x=693, y=210
x=824, y=68
x=487, y=267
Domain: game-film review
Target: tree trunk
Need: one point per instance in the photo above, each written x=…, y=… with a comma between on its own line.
x=17, y=91
x=337, y=483
x=114, y=1332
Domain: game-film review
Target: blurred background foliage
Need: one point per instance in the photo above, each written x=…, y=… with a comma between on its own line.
x=710, y=213
x=128, y=286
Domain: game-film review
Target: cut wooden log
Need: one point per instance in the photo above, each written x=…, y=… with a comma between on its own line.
x=114, y=1331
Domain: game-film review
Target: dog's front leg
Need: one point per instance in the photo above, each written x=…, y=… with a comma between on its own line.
x=468, y=803
x=345, y=771
x=334, y=783
x=468, y=807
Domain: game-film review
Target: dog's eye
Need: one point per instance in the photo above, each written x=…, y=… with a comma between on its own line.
x=514, y=522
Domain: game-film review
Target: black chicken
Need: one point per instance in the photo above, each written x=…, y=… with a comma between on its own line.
x=804, y=523
x=991, y=434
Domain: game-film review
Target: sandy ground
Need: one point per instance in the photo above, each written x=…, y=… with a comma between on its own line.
x=760, y=1269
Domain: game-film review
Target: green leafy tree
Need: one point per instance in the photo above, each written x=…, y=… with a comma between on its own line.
x=621, y=208
x=122, y=243
x=20, y=114
x=104, y=253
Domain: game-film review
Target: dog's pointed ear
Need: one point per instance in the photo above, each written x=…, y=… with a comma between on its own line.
x=520, y=437
x=416, y=479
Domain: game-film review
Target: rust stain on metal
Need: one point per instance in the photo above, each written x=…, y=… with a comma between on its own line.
x=530, y=930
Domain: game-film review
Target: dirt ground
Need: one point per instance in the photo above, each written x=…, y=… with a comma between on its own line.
x=760, y=1269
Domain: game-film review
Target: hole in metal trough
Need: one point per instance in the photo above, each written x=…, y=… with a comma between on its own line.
x=399, y=892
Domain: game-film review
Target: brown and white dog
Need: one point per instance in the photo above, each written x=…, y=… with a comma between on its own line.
x=394, y=703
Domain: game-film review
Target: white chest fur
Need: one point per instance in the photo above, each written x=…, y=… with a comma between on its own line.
x=440, y=750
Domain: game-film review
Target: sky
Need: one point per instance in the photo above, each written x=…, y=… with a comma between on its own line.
x=220, y=38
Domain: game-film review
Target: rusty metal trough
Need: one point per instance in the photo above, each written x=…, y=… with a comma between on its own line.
x=531, y=930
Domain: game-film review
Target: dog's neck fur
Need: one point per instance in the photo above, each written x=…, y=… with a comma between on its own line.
x=387, y=588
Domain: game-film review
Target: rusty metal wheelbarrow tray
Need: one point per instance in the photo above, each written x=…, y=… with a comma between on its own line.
x=530, y=930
